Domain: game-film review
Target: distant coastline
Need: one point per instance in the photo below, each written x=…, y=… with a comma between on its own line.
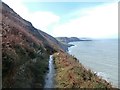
x=66, y=41
x=72, y=39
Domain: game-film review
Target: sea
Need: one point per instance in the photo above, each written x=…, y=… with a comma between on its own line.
x=101, y=56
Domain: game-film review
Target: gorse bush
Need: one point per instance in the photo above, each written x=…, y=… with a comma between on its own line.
x=38, y=69
x=7, y=63
x=24, y=66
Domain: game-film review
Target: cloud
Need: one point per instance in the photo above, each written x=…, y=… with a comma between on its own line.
x=97, y=22
x=42, y=20
x=39, y=19
x=18, y=6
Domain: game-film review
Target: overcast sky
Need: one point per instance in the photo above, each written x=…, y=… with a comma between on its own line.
x=81, y=19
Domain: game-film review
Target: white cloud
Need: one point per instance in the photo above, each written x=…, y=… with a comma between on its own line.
x=39, y=19
x=101, y=21
x=42, y=20
x=18, y=6
x=69, y=0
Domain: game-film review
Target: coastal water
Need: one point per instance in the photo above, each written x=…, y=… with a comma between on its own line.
x=101, y=56
x=49, y=79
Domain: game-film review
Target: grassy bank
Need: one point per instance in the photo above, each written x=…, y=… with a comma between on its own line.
x=71, y=74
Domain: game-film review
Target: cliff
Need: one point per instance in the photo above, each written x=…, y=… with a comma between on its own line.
x=25, y=51
x=67, y=39
x=25, y=54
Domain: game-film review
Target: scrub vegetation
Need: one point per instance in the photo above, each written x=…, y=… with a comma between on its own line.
x=72, y=74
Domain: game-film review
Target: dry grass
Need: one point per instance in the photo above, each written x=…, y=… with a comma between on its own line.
x=71, y=74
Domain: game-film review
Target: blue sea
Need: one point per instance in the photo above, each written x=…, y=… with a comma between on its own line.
x=101, y=56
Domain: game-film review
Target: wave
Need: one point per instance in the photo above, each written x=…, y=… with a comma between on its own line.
x=102, y=75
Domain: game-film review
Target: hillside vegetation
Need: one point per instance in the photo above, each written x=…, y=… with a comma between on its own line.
x=25, y=51
x=25, y=57
x=72, y=74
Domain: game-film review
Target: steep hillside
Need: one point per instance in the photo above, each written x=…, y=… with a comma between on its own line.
x=25, y=54
x=25, y=51
x=72, y=74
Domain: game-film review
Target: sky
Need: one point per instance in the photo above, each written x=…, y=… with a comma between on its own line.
x=70, y=19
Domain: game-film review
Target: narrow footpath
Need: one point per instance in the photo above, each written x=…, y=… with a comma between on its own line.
x=49, y=79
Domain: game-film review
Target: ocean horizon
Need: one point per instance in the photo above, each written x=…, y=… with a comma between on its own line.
x=101, y=56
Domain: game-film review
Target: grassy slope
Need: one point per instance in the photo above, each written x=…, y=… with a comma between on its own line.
x=23, y=65
x=71, y=74
x=24, y=55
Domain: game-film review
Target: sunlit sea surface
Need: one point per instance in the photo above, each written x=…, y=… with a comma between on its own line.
x=101, y=56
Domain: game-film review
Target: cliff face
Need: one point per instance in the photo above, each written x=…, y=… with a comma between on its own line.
x=25, y=51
